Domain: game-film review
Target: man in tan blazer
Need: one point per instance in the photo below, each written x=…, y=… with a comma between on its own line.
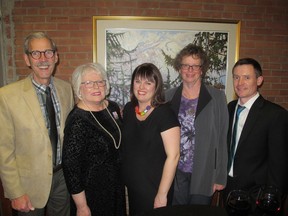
x=30, y=179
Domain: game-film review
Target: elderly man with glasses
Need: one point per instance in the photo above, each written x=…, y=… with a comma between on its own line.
x=32, y=115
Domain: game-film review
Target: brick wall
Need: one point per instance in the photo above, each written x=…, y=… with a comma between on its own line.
x=264, y=30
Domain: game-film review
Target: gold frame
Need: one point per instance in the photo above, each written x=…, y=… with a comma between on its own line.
x=100, y=23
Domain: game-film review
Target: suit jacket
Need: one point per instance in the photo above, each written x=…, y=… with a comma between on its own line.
x=25, y=148
x=261, y=155
x=211, y=125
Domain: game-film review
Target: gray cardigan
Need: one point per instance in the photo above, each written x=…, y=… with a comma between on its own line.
x=211, y=125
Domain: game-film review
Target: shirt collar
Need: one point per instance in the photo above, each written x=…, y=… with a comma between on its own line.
x=250, y=102
x=42, y=87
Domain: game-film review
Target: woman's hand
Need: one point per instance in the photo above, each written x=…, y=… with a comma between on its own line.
x=218, y=187
x=81, y=204
x=171, y=141
x=160, y=201
x=83, y=211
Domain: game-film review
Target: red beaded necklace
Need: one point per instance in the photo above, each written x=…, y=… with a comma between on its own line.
x=143, y=112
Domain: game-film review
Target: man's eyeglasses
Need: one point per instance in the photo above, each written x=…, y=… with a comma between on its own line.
x=90, y=84
x=36, y=54
x=186, y=67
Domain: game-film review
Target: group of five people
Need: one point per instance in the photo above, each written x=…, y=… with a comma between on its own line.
x=166, y=148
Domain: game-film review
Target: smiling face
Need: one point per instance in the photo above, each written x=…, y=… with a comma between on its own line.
x=191, y=76
x=246, y=82
x=143, y=90
x=43, y=67
x=94, y=95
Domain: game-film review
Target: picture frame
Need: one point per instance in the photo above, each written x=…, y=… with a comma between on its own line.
x=121, y=43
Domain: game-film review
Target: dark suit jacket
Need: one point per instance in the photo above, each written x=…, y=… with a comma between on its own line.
x=262, y=152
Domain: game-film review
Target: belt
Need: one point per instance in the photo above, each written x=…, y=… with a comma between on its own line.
x=57, y=168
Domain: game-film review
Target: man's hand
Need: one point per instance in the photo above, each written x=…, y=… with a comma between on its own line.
x=22, y=204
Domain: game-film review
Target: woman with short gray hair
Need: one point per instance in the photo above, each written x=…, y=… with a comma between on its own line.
x=92, y=137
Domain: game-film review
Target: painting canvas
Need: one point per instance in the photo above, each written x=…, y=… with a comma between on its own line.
x=122, y=44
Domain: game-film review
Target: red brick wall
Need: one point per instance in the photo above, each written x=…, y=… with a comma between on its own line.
x=264, y=30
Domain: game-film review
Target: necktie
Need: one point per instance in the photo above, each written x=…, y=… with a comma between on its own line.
x=233, y=141
x=52, y=120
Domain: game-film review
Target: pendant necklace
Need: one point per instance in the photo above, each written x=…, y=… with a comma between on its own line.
x=120, y=134
x=143, y=112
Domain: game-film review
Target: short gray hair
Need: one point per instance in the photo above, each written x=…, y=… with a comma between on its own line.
x=37, y=35
x=81, y=70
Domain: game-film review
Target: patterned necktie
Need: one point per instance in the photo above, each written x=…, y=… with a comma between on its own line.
x=233, y=141
x=52, y=120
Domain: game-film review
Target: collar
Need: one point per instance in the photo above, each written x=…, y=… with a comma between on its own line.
x=250, y=102
x=41, y=87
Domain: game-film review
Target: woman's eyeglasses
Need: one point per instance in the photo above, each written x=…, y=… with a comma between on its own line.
x=186, y=67
x=90, y=84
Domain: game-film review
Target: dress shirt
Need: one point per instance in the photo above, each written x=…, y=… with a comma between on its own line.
x=40, y=91
x=241, y=121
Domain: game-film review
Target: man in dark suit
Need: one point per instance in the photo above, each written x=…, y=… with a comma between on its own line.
x=260, y=155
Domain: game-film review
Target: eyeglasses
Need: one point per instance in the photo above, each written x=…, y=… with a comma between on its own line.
x=36, y=54
x=90, y=84
x=186, y=67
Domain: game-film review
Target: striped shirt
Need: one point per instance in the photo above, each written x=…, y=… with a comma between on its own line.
x=40, y=91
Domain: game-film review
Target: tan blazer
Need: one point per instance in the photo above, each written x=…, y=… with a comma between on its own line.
x=25, y=149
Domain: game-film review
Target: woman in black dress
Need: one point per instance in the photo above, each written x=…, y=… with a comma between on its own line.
x=151, y=142
x=92, y=136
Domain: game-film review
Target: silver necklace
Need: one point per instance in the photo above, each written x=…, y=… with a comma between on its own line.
x=120, y=134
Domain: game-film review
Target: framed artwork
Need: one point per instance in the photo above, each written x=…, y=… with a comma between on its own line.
x=121, y=43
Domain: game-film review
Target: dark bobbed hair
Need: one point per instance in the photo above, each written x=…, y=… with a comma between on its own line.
x=194, y=51
x=150, y=72
x=249, y=61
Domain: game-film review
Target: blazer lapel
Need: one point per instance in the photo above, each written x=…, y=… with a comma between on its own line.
x=203, y=99
x=251, y=119
x=30, y=97
x=60, y=96
x=231, y=110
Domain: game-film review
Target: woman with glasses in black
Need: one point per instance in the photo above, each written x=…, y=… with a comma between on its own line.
x=92, y=137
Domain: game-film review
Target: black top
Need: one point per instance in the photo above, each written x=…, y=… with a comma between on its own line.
x=90, y=161
x=143, y=155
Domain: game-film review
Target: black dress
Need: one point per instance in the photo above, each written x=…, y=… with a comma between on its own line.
x=91, y=162
x=144, y=156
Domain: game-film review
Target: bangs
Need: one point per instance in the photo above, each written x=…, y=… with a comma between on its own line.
x=145, y=74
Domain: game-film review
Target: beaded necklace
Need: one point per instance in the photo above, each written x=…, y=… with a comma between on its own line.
x=143, y=112
x=120, y=134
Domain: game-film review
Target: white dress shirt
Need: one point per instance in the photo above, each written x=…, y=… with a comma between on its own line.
x=241, y=121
